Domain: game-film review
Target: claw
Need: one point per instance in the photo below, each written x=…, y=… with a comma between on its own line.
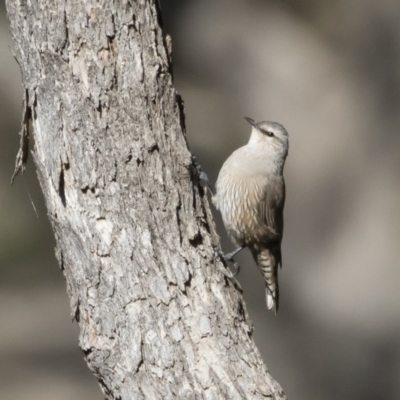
x=237, y=269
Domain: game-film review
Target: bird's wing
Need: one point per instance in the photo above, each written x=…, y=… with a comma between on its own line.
x=270, y=209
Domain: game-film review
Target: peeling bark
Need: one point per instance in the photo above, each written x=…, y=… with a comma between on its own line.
x=160, y=317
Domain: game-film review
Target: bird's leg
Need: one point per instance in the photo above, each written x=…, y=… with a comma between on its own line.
x=229, y=257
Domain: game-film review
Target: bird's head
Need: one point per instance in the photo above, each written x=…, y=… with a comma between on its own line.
x=271, y=135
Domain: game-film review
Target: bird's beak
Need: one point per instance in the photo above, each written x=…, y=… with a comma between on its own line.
x=250, y=121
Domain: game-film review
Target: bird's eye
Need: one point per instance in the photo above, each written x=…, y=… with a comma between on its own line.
x=269, y=133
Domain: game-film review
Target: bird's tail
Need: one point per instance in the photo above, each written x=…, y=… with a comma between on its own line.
x=267, y=261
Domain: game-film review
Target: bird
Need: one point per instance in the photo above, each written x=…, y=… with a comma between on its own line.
x=250, y=194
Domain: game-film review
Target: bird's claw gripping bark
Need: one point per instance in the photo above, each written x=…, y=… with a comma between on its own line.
x=236, y=268
x=229, y=257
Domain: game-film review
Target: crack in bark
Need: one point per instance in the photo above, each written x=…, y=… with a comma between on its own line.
x=23, y=152
x=61, y=187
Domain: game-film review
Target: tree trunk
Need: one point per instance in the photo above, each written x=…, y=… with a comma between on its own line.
x=160, y=317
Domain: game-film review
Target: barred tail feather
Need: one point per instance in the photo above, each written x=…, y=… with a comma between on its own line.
x=272, y=296
x=267, y=261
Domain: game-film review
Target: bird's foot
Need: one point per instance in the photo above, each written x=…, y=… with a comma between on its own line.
x=229, y=257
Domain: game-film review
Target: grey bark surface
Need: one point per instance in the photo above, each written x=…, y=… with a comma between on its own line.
x=160, y=317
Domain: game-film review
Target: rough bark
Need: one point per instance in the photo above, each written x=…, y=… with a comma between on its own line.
x=160, y=317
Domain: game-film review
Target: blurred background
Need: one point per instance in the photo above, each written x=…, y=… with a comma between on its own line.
x=330, y=73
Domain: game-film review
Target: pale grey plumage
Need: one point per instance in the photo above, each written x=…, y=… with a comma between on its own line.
x=251, y=196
